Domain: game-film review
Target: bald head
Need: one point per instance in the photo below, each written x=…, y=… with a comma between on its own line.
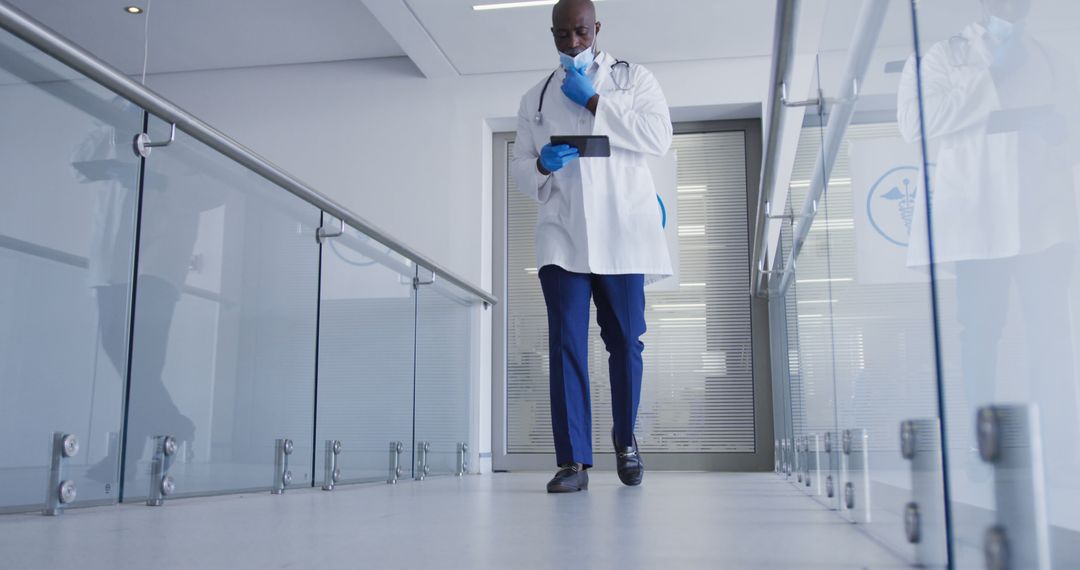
x=572, y=7
x=1011, y=10
x=574, y=26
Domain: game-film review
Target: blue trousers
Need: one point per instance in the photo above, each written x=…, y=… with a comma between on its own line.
x=620, y=312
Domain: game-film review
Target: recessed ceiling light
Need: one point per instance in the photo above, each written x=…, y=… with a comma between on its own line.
x=504, y=5
x=133, y=10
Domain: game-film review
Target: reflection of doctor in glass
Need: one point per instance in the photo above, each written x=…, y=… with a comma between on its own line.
x=996, y=105
x=165, y=252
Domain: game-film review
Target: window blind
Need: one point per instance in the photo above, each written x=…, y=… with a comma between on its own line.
x=697, y=390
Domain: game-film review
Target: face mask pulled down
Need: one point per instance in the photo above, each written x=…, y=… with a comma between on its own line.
x=1003, y=30
x=580, y=62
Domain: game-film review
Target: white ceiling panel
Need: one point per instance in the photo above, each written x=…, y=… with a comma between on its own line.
x=641, y=31
x=193, y=35
x=204, y=34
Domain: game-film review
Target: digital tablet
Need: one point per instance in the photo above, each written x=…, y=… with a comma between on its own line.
x=107, y=169
x=588, y=146
x=125, y=172
x=1019, y=119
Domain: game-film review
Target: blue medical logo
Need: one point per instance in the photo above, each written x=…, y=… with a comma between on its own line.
x=890, y=203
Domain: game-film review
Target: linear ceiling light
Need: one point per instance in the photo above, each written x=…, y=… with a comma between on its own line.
x=505, y=5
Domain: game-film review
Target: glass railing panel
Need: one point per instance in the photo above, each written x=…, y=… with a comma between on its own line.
x=878, y=299
x=784, y=327
x=67, y=227
x=999, y=101
x=366, y=353
x=447, y=322
x=783, y=378
x=809, y=328
x=225, y=323
x=781, y=402
x=812, y=286
x=168, y=307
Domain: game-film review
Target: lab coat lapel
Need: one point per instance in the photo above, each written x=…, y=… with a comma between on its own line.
x=603, y=74
x=568, y=111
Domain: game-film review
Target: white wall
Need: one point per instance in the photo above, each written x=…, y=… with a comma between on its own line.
x=409, y=154
x=413, y=155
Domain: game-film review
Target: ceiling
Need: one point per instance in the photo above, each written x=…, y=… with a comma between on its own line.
x=187, y=35
x=193, y=35
x=642, y=31
x=447, y=37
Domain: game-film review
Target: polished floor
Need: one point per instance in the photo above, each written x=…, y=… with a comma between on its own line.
x=675, y=520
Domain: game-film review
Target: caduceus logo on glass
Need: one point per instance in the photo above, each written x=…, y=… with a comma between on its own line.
x=890, y=203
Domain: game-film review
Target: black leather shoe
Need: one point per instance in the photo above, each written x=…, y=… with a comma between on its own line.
x=628, y=463
x=571, y=478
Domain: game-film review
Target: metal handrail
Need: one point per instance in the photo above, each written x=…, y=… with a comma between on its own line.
x=783, y=50
x=867, y=30
x=48, y=41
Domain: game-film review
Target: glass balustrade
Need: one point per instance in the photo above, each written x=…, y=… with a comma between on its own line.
x=198, y=328
x=922, y=286
x=67, y=240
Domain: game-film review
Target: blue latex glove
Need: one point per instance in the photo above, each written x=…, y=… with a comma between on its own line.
x=578, y=87
x=554, y=158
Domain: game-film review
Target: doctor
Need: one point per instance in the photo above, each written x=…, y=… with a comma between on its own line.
x=998, y=105
x=599, y=233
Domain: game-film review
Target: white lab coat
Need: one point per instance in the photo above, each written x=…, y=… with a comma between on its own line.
x=997, y=192
x=179, y=184
x=112, y=240
x=598, y=215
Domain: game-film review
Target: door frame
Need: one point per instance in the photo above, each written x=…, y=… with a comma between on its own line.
x=762, y=458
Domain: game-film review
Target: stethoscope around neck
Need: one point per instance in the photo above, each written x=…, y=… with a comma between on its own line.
x=539, y=118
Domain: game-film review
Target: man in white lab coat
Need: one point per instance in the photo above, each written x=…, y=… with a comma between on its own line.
x=997, y=110
x=599, y=232
x=166, y=242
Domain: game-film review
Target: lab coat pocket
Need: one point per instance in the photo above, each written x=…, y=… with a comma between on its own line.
x=610, y=89
x=637, y=200
x=618, y=98
x=556, y=209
